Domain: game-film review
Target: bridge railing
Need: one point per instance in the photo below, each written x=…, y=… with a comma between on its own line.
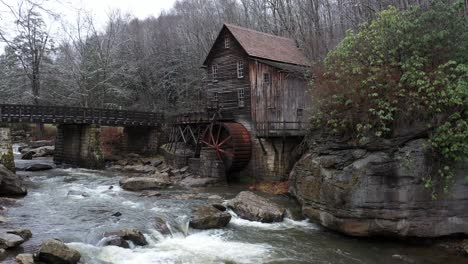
x=77, y=115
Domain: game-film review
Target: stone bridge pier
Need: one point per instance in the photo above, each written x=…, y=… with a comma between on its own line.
x=6, y=148
x=79, y=145
x=141, y=139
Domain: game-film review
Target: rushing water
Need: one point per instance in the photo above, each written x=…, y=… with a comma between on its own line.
x=77, y=206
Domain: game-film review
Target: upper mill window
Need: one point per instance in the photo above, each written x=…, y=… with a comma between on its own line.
x=214, y=71
x=266, y=79
x=227, y=42
x=240, y=69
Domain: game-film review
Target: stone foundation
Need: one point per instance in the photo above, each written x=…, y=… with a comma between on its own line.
x=7, y=158
x=141, y=140
x=79, y=145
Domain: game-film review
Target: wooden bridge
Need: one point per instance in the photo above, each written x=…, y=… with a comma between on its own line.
x=10, y=113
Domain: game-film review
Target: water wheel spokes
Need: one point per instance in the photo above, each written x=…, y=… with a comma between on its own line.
x=231, y=142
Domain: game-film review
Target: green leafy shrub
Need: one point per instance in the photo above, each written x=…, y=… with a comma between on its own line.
x=404, y=67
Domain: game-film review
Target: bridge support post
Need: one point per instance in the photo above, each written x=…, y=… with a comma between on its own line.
x=7, y=158
x=141, y=140
x=79, y=145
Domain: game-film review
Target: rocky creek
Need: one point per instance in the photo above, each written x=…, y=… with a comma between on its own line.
x=78, y=206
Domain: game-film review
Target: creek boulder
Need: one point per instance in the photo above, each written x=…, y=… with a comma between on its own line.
x=28, y=155
x=377, y=188
x=250, y=206
x=114, y=240
x=45, y=151
x=161, y=225
x=8, y=240
x=10, y=183
x=133, y=235
x=25, y=258
x=38, y=167
x=26, y=234
x=209, y=216
x=56, y=252
x=139, y=168
x=144, y=183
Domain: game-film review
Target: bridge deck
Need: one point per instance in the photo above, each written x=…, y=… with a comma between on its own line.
x=10, y=113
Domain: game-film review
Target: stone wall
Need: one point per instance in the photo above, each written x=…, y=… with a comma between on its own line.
x=79, y=145
x=7, y=158
x=378, y=189
x=141, y=140
x=272, y=158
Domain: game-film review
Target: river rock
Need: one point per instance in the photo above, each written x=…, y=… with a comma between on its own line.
x=256, y=208
x=26, y=234
x=25, y=259
x=161, y=225
x=465, y=245
x=150, y=194
x=45, y=151
x=114, y=241
x=139, y=168
x=38, y=167
x=377, y=189
x=10, y=240
x=28, y=155
x=143, y=183
x=56, y=252
x=133, y=235
x=193, y=182
x=10, y=183
x=208, y=216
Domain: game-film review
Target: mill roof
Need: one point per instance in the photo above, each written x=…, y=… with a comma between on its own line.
x=266, y=46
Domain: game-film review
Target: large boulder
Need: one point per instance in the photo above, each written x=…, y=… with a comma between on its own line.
x=10, y=183
x=143, y=183
x=133, y=235
x=8, y=240
x=208, y=216
x=45, y=151
x=377, y=189
x=250, y=206
x=38, y=167
x=56, y=252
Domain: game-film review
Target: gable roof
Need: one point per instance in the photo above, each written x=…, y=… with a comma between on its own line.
x=265, y=46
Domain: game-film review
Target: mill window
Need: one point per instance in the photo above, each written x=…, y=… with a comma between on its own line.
x=227, y=42
x=240, y=69
x=241, y=97
x=215, y=96
x=300, y=113
x=266, y=79
x=214, y=71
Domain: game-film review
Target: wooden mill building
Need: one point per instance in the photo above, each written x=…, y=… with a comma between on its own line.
x=261, y=79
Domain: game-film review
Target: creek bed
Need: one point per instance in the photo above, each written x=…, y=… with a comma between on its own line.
x=77, y=206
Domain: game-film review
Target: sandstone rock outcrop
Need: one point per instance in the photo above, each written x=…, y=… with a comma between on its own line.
x=377, y=189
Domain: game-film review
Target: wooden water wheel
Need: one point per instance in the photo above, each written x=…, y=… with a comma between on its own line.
x=232, y=144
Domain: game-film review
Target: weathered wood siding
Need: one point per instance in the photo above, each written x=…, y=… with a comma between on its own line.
x=227, y=83
x=277, y=102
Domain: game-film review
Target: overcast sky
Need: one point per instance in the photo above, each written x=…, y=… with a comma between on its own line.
x=98, y=8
